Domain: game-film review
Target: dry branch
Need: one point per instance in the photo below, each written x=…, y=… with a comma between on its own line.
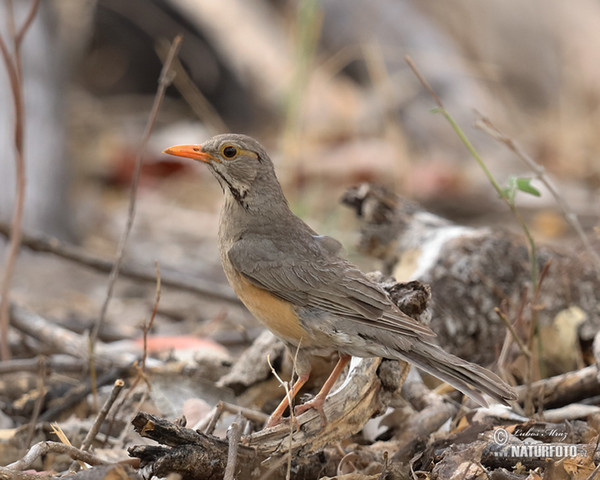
x=15, y=74
x=44, y=448
x=48, y=244
x=564, y=389
x=361, y=396
x=163, y=82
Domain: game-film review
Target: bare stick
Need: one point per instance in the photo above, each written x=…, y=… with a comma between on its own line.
x=20, y=35
x=39, y=402
x=524, y=350
x=208, y=424
x=91, y=435
x=89, y=438
x=148, y=326
x=486, y=125
x=192, y=94
x=15, y=75
x=49, y=244
x=163, y=82
x=234, y=435
x=44, y=448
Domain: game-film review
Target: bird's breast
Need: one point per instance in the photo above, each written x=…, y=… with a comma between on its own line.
x=277, y=315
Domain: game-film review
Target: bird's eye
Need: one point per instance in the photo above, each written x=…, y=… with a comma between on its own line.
x=230, y=151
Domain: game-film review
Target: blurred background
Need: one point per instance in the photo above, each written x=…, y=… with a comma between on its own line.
x=323, y=85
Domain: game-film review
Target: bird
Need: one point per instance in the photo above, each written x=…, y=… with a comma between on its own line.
x=300, y=286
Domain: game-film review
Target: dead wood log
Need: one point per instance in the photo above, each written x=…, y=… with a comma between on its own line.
x=192, y=454
x=564, y=389
x=472, y=271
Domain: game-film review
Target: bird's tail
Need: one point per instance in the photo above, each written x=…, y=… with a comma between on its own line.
x=467, y=377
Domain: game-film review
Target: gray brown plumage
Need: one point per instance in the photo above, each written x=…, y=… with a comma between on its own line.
x=298, y=284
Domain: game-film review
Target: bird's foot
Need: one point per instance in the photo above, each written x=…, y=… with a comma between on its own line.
x=316, y=404
x=274, y=421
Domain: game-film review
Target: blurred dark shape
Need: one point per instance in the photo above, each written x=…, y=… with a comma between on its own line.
x=122, y=57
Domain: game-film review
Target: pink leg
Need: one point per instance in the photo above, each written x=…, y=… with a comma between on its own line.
x=275, y=417
x=319, y=400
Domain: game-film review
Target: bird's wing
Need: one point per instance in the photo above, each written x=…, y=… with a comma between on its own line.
x=307, y=274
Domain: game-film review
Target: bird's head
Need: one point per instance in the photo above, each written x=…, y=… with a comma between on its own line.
x=240, y=164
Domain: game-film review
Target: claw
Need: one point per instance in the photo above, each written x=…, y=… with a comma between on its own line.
x=316, y=404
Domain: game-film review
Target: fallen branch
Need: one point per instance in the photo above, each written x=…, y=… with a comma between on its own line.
x=44, y=448
x=563, y=389
x=146, y=274
x=194, y=454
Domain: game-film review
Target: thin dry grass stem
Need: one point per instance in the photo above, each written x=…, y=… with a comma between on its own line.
x=148, y=326
x=486, y=125
x=192, y=94
x=15, y=76
x=515, y=336
x=534, y=334
x=64, y=439
x=423, y=82
x=293, y=420
x=39, y=402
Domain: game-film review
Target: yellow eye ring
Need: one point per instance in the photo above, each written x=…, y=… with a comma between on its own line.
x=229, y=151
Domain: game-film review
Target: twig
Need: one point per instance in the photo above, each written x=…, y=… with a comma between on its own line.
x=594, y=473
x=89, y=438
x=163, y=82
x=39, y=402
x=463, y=138
x=486, y=125
x=91, y=435
x=44, y=448
x=20, y=35
x=15, y=75
x=234, y=435
x=192, y=94
x=21, y=365
x=208, y=424
x=524, y=350
x=293, y=421
x=148, y=326
x=65, y=341
x=48, y=244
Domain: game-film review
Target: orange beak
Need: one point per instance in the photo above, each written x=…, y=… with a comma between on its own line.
x=190, y=151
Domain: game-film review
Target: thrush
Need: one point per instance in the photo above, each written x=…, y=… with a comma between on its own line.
x=301, y=287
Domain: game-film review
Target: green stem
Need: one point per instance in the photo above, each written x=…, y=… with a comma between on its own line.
x=498, y=188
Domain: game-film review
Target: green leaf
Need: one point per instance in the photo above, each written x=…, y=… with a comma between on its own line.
x=524, y=185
